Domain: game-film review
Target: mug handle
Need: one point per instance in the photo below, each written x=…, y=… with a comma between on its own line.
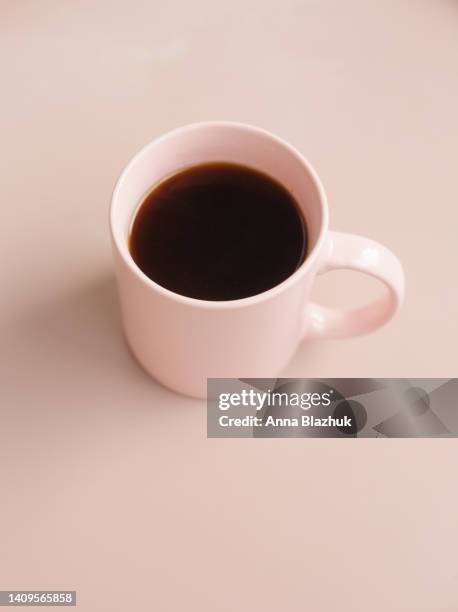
x=351, y=252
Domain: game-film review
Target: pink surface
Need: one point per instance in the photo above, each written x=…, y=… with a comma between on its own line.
x=109, y=485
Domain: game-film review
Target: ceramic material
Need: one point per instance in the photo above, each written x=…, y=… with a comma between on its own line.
x=181, y=341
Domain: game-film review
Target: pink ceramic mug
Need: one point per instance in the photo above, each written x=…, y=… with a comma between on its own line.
x=181, y=341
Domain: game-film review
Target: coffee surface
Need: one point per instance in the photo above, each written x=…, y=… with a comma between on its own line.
x=218, y=231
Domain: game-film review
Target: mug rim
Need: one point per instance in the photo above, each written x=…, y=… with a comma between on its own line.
x=222, y=304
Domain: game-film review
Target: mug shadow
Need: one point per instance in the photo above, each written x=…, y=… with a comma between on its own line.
x=72, y=346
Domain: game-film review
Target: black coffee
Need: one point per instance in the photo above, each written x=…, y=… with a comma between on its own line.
x=219, y=231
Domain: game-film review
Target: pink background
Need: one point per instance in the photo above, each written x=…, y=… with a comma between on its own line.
x=108, y=483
